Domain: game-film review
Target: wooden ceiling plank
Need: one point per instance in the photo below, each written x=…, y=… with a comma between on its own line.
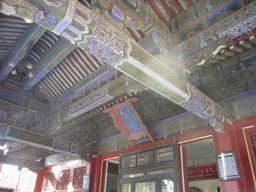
x=50, y=59
x=22, y=47
x=157, y=10
x=167, y=9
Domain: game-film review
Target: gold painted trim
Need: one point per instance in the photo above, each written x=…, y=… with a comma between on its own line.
x=195, y=139
x=247, y=148
x=102, y=167
x=248, y=127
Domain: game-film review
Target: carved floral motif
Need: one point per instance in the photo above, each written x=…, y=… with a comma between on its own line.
x=197, y=103
x=107, y=42
x=63, y=181
x=128, y=121
x=49, y=181
x=78, y=177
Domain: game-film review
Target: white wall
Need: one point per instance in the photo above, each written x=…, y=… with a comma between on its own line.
x=200, y=153
x=205, y=185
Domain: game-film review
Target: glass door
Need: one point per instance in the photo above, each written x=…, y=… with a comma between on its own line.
x=149, y=170
x=167, y=185
x=149, y=186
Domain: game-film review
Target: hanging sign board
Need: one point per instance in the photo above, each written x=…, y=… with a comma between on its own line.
x=227, y=166
x=202, y=172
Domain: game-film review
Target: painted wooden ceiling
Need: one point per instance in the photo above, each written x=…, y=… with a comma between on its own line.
x=231, y=72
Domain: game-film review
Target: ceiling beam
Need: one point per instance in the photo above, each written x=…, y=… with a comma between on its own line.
x=9, y=132
x=50, y=59
x=30, y=164
x=234, y=25
x=7, y=110
x=22, y=47
x=23, y=100
x=108, y=41
x=92, y=102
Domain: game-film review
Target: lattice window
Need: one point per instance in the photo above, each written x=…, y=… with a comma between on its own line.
x=63, y=181
x=49, y=182
x=78, y=177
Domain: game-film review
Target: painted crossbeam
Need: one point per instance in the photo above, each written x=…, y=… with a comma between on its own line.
x=22, y=100
x=235, y=25
x=13, y=133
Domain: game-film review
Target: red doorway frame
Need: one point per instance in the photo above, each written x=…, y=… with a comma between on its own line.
x=100, y=170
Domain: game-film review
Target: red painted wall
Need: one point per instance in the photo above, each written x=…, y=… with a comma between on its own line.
x=238, y=139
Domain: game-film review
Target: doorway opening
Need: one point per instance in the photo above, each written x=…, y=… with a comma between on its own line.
x=111, y=175
x=200, y=166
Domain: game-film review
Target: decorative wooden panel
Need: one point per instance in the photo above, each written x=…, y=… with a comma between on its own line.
x=128, y=121
x=78, y=177
x=49, y=181
x=64, y=179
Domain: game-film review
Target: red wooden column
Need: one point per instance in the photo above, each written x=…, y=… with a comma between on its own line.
x=16, y=188
x=241, y=128
x=179, y=167
x=39, y=180
x=93, y=166
x=225, y=144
